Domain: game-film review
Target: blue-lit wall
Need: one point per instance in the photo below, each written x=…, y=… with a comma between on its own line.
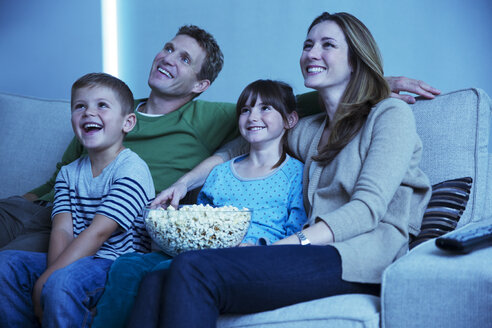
x=46, y=45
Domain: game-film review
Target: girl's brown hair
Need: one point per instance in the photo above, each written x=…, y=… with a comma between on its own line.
x=277, y=94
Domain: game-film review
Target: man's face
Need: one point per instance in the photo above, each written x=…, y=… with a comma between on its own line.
x=175, y=68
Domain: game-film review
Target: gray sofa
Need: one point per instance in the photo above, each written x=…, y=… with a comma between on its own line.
x=425, y=288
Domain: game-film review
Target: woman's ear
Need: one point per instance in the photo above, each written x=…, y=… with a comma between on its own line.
x=129, y=123
x=292, y=120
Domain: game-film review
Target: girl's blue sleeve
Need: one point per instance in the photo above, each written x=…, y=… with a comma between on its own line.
x=205, y=197
x=297, y=214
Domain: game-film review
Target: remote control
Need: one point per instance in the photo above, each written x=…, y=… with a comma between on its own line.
x=464, y=241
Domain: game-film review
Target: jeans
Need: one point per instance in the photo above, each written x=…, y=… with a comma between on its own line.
x=201, y=285
x=122, y=286
x=67, y=296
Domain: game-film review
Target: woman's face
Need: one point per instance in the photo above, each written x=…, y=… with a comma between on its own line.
x=324, y=60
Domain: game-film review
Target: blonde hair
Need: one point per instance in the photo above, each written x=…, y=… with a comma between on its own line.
x=367, y=85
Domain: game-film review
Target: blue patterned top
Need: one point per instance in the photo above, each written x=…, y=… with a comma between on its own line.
x=275, y=199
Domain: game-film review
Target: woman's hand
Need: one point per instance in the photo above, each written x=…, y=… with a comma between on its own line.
x=171, y=195
x=400, y=83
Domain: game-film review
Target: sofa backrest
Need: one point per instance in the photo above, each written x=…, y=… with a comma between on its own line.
x=34, y=134
x=454, y=129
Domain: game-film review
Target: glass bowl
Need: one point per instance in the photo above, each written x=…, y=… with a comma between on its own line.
x=192, y=227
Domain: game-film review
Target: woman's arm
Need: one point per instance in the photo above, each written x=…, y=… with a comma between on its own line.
x=389, y=146
x=317, y=234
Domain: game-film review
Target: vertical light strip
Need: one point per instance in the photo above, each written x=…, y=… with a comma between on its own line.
x=109, y=17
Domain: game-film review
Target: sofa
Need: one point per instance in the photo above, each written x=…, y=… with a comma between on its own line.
x=427, y=287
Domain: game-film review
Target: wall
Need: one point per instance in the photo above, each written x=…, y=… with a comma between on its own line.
x=46, y=45
x=443, y=42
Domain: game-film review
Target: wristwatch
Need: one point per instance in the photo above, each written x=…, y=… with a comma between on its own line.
x=302, y=238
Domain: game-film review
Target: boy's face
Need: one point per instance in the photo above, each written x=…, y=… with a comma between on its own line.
x=175, y=68
x=98, y=120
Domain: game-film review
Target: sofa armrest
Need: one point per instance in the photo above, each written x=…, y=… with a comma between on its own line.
x=429, y=287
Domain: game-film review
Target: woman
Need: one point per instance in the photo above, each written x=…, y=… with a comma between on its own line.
x=363, y=192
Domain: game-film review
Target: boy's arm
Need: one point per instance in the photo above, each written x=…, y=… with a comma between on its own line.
x=73, y=151
x=86, y=244
x=61, y=236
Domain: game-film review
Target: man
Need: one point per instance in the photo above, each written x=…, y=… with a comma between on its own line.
x=174, y=133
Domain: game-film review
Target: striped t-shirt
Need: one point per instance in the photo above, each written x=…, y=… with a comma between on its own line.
x=120, y=193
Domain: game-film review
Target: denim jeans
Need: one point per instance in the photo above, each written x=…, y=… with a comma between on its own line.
x=67, y=296
x=201, y=285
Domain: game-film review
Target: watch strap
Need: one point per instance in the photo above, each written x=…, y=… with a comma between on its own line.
x=302, y=238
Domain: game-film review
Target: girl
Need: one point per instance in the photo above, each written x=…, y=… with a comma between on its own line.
x=363, y=191
x=266, y=180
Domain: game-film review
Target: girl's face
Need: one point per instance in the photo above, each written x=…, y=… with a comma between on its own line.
x=325, y=60
x=261, y=124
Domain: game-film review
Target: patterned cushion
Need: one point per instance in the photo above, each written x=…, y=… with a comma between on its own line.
x=447, y=204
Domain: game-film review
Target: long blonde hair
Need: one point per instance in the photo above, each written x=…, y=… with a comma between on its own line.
x=367, y=85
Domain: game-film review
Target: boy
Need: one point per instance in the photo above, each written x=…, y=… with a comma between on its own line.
x=96, y=216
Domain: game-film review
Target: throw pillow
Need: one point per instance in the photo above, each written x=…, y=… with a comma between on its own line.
x=447, y=204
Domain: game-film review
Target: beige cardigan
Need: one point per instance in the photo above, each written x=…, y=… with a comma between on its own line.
x=372, y=194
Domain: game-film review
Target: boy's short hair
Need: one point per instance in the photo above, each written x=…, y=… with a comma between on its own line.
x=123, y=92
x=214, y=59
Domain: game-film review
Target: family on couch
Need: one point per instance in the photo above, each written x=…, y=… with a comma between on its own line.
x=361, y=178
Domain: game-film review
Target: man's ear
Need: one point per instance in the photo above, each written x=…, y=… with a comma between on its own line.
x=129, y=123
x=292, y=120
x=201, y=86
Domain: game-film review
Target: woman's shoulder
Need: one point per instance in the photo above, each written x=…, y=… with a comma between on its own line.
x=390, y=104
x=392, y=109
x=316, y=119
x=308, y=125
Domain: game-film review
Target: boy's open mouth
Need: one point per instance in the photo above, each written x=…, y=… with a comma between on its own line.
x=89, y=127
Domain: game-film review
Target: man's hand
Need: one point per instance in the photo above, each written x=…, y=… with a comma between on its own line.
x=30, y=197
x=171, y=195
x=401, y=83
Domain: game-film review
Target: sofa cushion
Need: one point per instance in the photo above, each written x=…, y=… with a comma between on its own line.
x=445, y=208
x=41, y=134
x=354, y=310
x=454, y=129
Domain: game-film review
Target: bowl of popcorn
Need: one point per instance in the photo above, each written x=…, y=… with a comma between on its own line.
x=192, y=227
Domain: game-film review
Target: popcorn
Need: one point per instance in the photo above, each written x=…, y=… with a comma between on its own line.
x=197, y=227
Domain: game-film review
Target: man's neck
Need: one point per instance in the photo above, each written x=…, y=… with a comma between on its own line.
x=162, y=105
